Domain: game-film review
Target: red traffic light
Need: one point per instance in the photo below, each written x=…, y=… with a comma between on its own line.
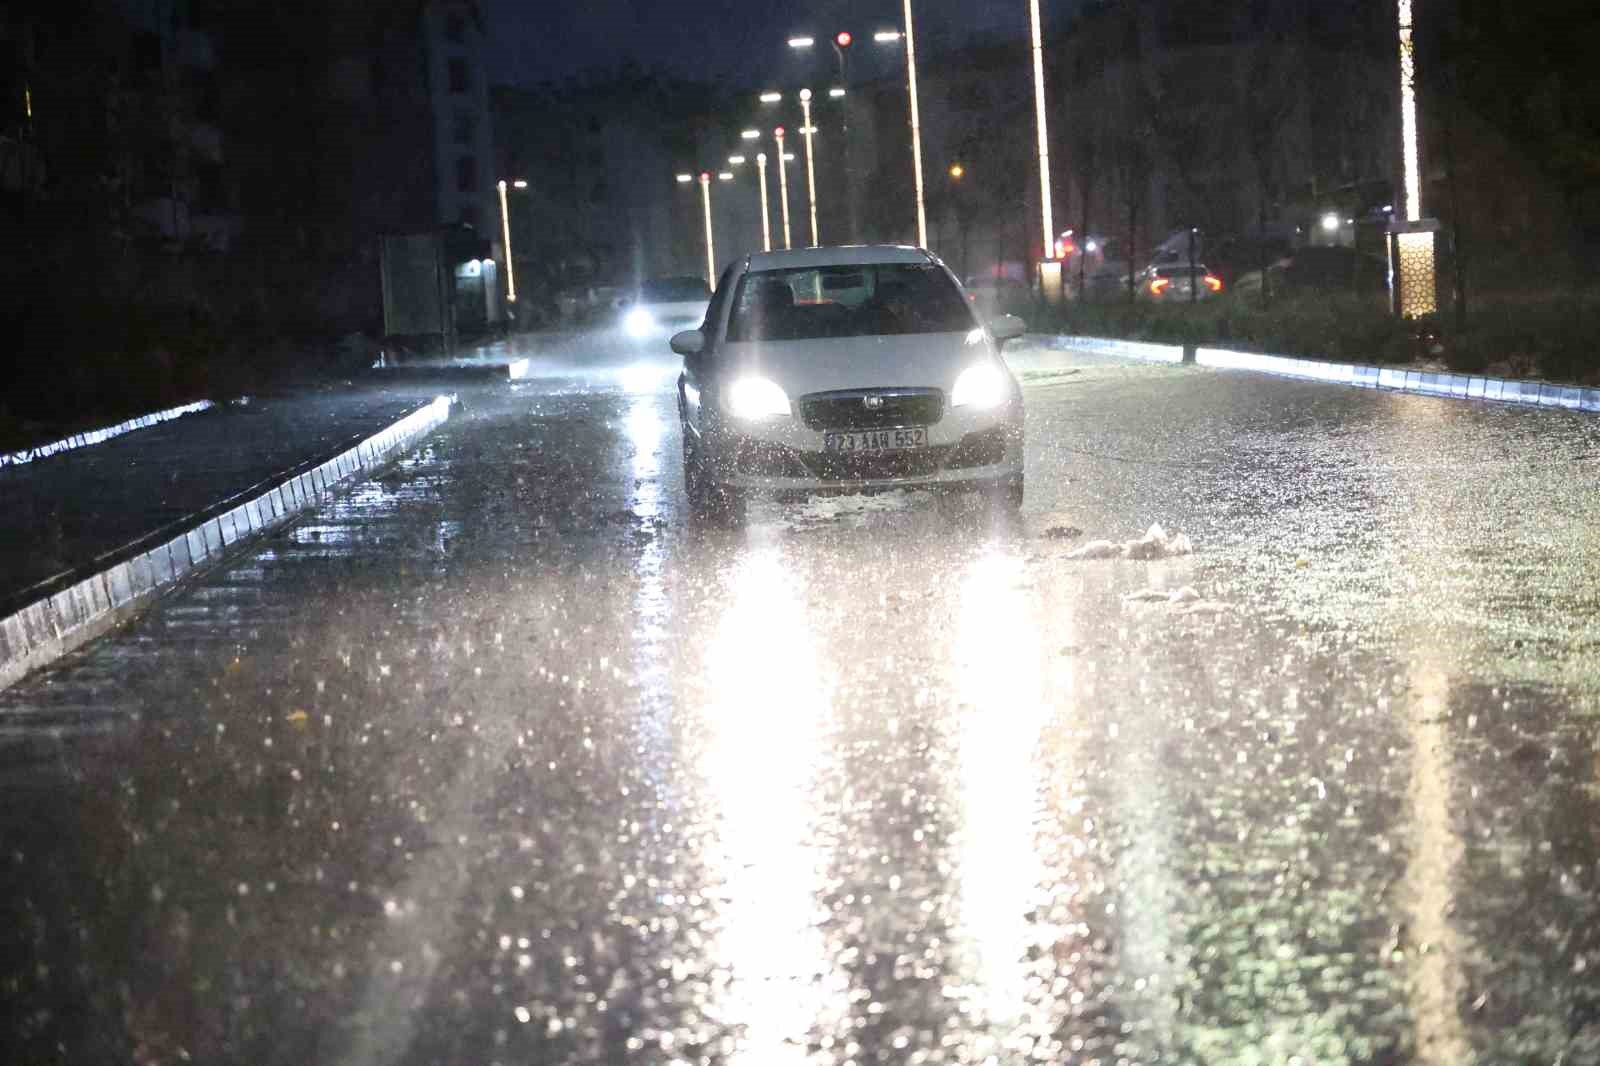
x=843, y=38
x=705, y=176
x=778, y=133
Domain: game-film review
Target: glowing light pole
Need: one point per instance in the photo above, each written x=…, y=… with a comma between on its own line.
x=505, y=236
x=811, y=173
x=916, y=128
x=1411, y=241
x=766, y=222
x=1049, y=265
x=711, y=255
x=783, y=186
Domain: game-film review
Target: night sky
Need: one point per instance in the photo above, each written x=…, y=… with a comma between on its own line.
x=740, y=41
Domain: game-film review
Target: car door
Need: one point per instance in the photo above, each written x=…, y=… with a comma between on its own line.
x=698, y=369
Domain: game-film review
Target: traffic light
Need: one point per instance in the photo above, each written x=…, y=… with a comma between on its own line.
x=843, y=39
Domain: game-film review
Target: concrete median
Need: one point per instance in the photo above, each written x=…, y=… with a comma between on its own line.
x=65, y=619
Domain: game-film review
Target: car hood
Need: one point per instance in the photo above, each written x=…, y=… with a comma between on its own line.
x=676, y=311
x=923, y=360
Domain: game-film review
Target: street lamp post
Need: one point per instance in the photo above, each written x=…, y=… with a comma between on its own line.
x=1049, y=265
x=783, y=187
x=916, y=128
x=1411, y=251
x=711, y=254
x=811, y=173
x=766, y=221
x=505, y=237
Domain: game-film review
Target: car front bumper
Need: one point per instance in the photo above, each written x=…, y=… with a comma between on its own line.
x=964, y=450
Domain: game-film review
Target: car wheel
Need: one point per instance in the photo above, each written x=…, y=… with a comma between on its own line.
x=708, y=501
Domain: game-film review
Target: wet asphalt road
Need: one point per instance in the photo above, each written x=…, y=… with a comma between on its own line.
x=500, y=759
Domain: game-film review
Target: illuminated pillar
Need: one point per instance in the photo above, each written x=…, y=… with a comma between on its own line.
x=766, y=223
x=811, y=174
x=783, y=187
x=1049, y=267
x=916, y=129
x=1411, y=250
x=711, y=254
x=505, y=235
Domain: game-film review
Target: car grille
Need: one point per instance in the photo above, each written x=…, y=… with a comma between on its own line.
x=849, y=410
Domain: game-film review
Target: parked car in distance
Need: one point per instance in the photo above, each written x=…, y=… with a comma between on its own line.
x=846, y=370
x=664, y=306
x=1326, y=269
x=1175, y=283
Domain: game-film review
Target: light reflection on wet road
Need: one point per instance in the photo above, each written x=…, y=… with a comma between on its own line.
x=498, y=759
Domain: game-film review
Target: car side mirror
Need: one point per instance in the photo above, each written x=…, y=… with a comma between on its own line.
x=1007, y=328
x=689, y=343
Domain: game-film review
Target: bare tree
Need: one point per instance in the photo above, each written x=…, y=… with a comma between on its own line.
x=1266, y=97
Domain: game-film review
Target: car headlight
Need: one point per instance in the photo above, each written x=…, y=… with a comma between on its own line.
x=639, y=322
x=751, y=398
x=982, y=386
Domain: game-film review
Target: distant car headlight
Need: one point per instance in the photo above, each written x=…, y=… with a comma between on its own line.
x=751, y=398
x=982, y=386
x=639, y=322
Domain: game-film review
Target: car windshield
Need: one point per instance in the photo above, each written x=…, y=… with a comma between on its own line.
x=871, y=300
x=673, y=290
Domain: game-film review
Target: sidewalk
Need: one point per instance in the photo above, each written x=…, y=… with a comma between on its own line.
x=75, y=512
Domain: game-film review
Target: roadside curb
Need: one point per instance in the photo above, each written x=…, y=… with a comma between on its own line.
x=1396, y=379
x=100, y=436
x=49, y=628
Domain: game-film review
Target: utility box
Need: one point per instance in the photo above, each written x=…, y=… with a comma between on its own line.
x=437, y=284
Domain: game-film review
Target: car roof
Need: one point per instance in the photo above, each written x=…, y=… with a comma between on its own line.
x=846, y=255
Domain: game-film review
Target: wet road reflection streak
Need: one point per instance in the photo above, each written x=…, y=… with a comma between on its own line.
x=767, y=700
x=1002, y=709
x=1431, y=945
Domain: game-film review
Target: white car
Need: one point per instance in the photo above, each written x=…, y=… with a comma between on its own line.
x=665, y=306
x=857, y=369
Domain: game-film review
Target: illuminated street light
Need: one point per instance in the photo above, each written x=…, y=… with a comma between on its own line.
x=887, y=36
x=505, y=236
x=1411, y=241
x=685, y=178
x=1330, y=223
x=957, y=171
x=801, y=42
x=1049, y=266
x=811, y=174
x=916, y=128
x=761, y=179
x=766, y=221
x=750, y=135
x=711, y=255
x=836, y=93
x=771, y=98
x=519, y=184
x=783, y=185
x=726, y=175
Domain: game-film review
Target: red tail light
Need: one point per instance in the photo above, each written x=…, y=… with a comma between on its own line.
x=1213, y=283
x=1159, y=286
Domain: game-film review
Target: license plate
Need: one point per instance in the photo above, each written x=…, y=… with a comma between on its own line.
x=875, y=440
